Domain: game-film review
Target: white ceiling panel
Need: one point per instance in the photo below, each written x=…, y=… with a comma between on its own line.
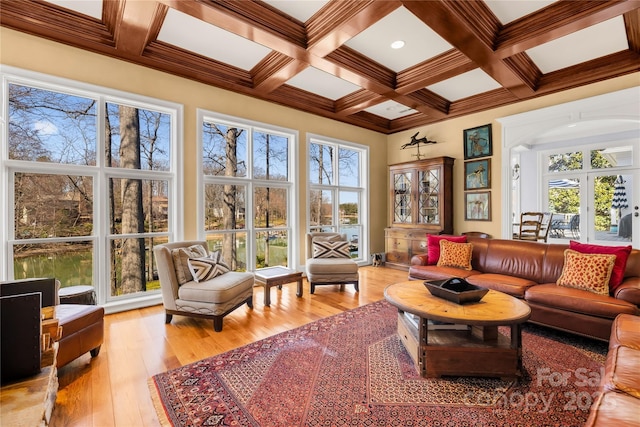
x=510, y=10
x=464, y=85
x=581, y=46
x=421, y=42
x=323, y=84
x=302, y=10
x=390, y=110
x=91, y=8
x=210, y=41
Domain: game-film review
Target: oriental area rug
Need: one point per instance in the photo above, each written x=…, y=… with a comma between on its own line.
x=351, y=369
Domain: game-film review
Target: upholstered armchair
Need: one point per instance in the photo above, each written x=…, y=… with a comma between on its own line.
x=329, y=261
x=195, y=282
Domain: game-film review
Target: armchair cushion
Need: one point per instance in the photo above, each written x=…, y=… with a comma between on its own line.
x=331, y=249
x=208, y=267
x=181, y=261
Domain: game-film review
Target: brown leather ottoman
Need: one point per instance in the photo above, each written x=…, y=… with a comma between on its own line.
x=82, y=331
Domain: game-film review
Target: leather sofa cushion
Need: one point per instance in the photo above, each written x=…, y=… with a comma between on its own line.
x=578, y=301
x=626, y=331
x=514, y=286
x=76, y=317
x=433, y=272
x=614, y=409
x=621, y=370
x=525, y=259
x=218, y=290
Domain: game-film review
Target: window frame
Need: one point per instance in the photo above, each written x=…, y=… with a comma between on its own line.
x=336, y=189
x=100, y=174
x=249, y=182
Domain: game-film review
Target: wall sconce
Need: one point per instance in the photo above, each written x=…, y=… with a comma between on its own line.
x=515, y=172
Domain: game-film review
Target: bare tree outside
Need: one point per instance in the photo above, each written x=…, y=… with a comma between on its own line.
x=133, y=259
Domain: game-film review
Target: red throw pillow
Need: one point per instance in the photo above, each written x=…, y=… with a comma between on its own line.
x=433, y=245
x=621, y=253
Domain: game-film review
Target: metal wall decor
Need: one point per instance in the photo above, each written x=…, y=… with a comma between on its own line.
x=416, y=142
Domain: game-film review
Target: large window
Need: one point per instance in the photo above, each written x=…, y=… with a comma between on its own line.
x=88, y=176
x=248, y=197
x=338, y=190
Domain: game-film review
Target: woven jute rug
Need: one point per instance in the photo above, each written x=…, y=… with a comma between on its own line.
x=351, y=370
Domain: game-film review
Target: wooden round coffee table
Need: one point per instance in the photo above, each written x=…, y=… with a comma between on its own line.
x=445, y=338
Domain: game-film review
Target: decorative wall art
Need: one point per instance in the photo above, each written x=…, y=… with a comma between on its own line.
x=477, y=206
x=477, y=142
x=477, y=174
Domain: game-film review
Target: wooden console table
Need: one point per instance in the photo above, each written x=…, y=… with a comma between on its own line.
x=30, y=402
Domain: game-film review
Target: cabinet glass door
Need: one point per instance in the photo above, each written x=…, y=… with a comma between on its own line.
x=402, y=198
x=428, y=196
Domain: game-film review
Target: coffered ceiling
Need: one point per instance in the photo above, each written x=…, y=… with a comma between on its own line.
x=334, y=58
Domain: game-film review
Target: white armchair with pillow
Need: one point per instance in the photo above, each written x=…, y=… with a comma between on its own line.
x=329, y=261
x=197, y=283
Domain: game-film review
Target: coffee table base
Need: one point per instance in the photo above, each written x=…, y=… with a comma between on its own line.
x=461, y=352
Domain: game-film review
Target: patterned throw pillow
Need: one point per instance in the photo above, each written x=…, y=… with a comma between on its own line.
x=621, y=252
x=181, y=261
x=454, y=254
x=589, y=272
x=433, y=245
x=208, y=267
x=328, y=249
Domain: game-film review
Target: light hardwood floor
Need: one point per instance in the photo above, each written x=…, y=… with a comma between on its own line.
x=112, y=389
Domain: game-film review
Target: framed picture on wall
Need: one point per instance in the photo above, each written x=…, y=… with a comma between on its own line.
x=477, y=174
x=477, y=206
x=477, y=142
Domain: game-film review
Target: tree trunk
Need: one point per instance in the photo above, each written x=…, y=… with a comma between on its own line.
x=230, y=202
x=133, y=259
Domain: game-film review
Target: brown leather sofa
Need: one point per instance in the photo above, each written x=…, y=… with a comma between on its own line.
x=529, y=270
x=618, y=402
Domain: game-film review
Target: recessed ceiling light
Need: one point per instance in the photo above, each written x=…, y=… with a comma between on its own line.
x=398, y=44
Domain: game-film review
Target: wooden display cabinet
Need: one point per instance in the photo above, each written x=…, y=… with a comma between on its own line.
x=421, y=202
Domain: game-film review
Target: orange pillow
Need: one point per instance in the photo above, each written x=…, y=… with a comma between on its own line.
x=454, y=254
x=589, y=272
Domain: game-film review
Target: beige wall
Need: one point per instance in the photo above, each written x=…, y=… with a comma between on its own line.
x=35, y=54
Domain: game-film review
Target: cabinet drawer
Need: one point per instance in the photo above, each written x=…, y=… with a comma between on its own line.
x=418, y=247
x=397, y=257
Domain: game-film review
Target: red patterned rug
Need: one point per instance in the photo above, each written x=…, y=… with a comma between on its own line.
x=351, y=370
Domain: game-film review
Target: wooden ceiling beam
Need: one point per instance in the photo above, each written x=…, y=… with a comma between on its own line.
x=632, y=27
x=136, y=24
x=339, y=21
x=444, y=66
x=451, y=20
x=557, y=20
x=275, y=70
x=357, y=101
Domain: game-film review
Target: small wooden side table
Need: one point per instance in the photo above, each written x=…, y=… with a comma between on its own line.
x=277, y=276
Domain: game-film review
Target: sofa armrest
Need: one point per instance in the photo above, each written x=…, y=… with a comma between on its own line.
x=419, y=259
x=629, y=290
